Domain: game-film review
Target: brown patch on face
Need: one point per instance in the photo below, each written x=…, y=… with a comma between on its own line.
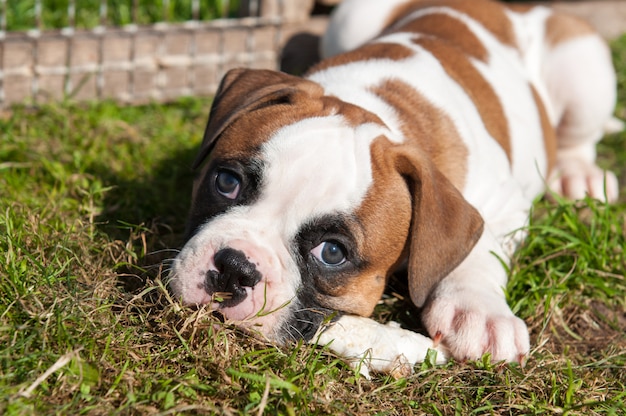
x=563, y=27
x=428, y=128
x=248, y=133
x=366, y=52
x=384, y=218
x=360, y=294
x=490, y=14
x=451, y=30
x=245, y=91
x=380, y=229
x=549, y=135
x=459, y=68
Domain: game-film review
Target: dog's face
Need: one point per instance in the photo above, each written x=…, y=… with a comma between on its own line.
x=304, y=206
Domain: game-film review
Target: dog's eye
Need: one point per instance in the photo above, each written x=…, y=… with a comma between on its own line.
x=331, y=253
x=227, y=184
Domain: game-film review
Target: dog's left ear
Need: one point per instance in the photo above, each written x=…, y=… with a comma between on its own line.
x=444, y=226
x=245, y=90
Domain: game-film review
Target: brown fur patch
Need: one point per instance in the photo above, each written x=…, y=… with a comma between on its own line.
x=490, y=14
x=451, y=30
x=519, y=7
x=366, y=52
x=563, y=27
x=549, y=134
x=385, y=216
x=428, y=128
x=459, y=68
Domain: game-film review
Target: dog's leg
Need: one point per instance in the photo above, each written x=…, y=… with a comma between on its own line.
x=468, y=311
x=355, y=22
x=580, y=82
x=371, y=346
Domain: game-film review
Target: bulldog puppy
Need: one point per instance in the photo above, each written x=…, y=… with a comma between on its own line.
x=419, y=142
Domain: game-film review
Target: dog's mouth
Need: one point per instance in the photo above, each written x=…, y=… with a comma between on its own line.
x=221, y=300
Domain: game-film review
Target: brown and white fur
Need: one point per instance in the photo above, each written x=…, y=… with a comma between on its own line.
x=419, y=142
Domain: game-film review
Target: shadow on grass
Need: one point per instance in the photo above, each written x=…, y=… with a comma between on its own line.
x=147, y=216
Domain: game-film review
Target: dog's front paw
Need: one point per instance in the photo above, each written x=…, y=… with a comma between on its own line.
x=576, y=179
x=369, y=345
x=471, y=322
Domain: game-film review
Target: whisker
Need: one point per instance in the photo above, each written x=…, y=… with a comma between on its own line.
x=152, y=266
x=301, y=336
x=310, y=310
x=165, y=250
x=305, y=321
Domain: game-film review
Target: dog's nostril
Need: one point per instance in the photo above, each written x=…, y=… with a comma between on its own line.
x=213, y=281
x=235, y=263
x=234, y=272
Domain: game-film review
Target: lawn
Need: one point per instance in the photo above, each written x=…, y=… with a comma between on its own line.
x=87, y=14
x=92, y=201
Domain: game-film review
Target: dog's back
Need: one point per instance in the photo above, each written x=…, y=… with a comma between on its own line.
x=540, y=83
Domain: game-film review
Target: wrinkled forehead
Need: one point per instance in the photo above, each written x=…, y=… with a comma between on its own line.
x=316, y=167
x=252, y=131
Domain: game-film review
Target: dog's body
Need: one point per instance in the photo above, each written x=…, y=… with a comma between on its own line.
x=422, y=147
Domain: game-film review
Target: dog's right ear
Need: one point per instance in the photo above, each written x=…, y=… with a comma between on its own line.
x=243, y=91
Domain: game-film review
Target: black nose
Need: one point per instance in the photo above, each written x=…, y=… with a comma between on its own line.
x=234, y=273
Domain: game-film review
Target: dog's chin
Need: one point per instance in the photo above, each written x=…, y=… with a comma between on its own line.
x=242, y=312
x=248, y=315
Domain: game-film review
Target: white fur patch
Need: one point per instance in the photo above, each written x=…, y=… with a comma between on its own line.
x=315, y=167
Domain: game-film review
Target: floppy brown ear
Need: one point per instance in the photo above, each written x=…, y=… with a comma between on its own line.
x=244, y=90
x=444, y=226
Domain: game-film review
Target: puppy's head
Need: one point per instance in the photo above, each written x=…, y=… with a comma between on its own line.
x=304, y=205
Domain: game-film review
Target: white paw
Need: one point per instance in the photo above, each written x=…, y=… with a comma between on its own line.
x=576, y=179
x=371, y=346
x=471, y=322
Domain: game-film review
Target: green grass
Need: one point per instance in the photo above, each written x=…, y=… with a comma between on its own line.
x=22, y=15
x=92, y=197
